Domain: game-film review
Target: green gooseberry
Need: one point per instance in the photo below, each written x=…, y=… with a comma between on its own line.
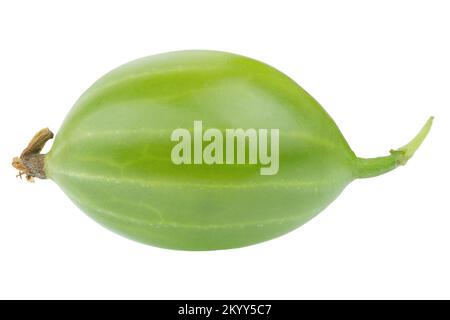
x=201, y=150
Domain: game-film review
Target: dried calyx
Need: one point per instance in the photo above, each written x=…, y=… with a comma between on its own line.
x=31, y=162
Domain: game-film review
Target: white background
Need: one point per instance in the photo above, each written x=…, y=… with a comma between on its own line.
x=380, y=68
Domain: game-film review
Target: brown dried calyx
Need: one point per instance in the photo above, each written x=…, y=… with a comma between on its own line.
x=31, y=162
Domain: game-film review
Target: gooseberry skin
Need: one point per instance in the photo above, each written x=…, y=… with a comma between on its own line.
x=112, y=154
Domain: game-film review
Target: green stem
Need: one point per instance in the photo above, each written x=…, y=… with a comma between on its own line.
x=373, y=167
